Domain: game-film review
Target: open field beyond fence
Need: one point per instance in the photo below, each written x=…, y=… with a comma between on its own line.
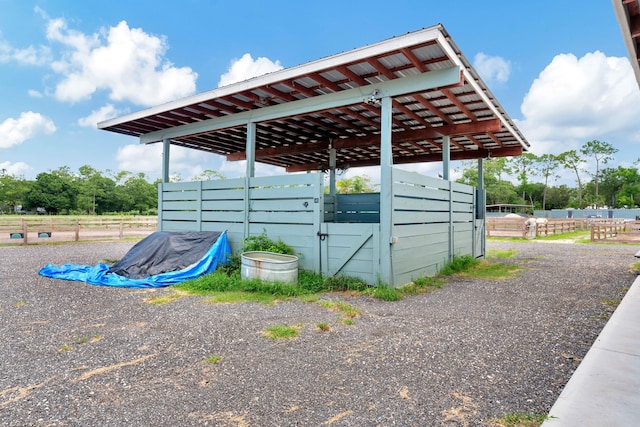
x=39, y=229
x=615, y=230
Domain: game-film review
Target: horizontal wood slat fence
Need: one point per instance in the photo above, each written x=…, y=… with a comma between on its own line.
x=38, y=229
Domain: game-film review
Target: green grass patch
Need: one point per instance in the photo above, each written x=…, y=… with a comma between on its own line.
x=213, y=359
x=492, y=270
x=323, y=326
x=459, y=264
x=80, y=339
x=281, y=332
x=348, y=322
x=164, y=299
x=234, y=297
x=610, y=302
x=20, y=304
x=346, y=310
x=580, y=236
x=519, y=419
x=635, y=266
x=502, y=254
x=385, y=293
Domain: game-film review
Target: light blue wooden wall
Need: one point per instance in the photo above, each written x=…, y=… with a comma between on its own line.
x=433, y=220
x=285, y=207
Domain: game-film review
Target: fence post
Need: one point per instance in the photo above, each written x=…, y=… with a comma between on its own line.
x=121, y=229
x=25, y=231
x=77, y=230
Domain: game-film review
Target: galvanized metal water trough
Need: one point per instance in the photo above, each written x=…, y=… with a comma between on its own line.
x=269, y=266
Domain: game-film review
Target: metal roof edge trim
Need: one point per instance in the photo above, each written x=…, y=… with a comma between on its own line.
x=481, y=89
x=405, y=40
x=625, y=27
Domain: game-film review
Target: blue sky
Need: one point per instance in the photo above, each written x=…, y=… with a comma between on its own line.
x=559, y=68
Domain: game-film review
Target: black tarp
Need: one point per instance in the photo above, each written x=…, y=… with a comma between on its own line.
x=163, y=252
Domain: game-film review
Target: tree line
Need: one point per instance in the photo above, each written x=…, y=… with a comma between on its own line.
x=599, y=186
x=90, y=191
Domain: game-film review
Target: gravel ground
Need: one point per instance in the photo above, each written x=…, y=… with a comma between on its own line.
x=461, y=355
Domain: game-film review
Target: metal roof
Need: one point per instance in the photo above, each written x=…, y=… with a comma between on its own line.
x=301, y=112
x=628, y=16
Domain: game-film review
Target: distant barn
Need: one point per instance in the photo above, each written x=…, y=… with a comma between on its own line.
x=410, y=99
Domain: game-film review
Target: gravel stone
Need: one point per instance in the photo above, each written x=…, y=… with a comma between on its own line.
x=75, y=354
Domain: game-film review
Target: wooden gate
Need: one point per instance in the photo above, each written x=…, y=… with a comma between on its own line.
x=350, y=249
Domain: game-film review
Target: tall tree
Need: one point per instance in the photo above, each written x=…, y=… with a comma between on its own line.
x=571, y=160
x=602, y=152
x=547, y=165
x=523, y=167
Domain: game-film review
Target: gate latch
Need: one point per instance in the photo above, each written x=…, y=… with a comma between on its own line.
x=322, y=236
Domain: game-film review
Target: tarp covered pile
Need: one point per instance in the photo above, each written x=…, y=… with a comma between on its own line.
x=161, y=259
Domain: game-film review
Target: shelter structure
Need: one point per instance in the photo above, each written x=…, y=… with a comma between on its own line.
x=409, y=99
x=628, y=16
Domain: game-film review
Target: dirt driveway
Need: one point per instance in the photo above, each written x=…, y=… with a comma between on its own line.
x=77, y=355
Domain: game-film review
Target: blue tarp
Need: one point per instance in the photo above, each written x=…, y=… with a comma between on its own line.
x=100, y=274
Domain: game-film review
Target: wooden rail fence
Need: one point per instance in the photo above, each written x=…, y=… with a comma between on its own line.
x=33, y=229
x=616, y=230
x=517, y=227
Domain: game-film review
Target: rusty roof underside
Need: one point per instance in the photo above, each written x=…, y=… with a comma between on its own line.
x=299, y=139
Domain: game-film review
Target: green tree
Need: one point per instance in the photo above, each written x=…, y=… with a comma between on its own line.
x=571, y=160
x=559, y=197
x=55, y=191
x=602, y=152
x=497, y=190
x=97, y=193
x=136, y=193
x=523, y=167
x=209, y=175
x=13, y=190
x=356, y=184
x=547, y=166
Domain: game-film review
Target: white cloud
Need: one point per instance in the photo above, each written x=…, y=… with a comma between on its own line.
x=28, y=56
x=104, y=113
x=246, y=68
x=126, y=62
x=492, y=68
x=239, y=168
x=15, y=169
x=29, y=124
x=574, y=100
x=34, y=93
x=148, y=159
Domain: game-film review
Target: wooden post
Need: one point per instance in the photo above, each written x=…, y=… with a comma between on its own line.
x=121, y=230
x=77, y=230
x=25, y=231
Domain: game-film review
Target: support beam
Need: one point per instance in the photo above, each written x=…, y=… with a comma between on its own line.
x=166, y=147
x=250, y=171
x=491, y=125
x=427, y=158
x=386, y=192
x=332, y=171
x=446, y=157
